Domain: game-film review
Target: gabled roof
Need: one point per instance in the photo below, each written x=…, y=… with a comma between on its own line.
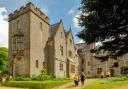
x=53, y=29
x=68, y=32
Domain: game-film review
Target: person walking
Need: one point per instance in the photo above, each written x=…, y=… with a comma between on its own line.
x=76, y=80
x=82, y=78
x=108, y=74
x=102, y=74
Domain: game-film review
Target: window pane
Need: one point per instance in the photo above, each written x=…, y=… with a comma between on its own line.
x=61, y=66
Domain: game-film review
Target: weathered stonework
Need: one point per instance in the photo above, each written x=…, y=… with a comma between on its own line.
x=34, y=44
x=92, y=67
x=72, y=57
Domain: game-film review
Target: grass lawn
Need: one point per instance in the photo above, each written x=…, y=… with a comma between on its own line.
x=107, y=83
x=48, y=84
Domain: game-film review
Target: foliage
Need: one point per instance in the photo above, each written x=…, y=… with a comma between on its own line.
x=34, y=77
x=3, y=60
x=42, y=77
x=37, y=84
x=43, y=71
x=108, y=83
x=105, y=21
x=22, y=78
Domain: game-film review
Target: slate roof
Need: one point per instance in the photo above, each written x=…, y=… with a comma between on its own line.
x=53, y=29
x=81, y=46
x=66, y=33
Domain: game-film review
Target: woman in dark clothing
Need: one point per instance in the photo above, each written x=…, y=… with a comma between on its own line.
x=82, y=78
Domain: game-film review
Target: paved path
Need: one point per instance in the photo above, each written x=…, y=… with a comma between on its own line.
x=71, y=85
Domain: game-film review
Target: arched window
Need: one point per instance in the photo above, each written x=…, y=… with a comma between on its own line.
x=88, y=63
x=37, y=64
x=41, y=26
x=19, y=22
x=61, y=35
x=61, y=50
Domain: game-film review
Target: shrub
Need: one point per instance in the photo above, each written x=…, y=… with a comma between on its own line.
x=34, y=77
x=22, y=78
x=36, y=84
x=43, y=71
x=42, y=77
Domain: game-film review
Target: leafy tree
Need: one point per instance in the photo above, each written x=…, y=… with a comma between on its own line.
x=105, y=21
x=3, y=60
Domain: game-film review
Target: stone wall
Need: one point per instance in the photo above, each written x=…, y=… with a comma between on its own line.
x=24, y=29
x=39, y=32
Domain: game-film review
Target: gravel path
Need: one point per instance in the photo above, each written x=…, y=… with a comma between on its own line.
x=71, y=85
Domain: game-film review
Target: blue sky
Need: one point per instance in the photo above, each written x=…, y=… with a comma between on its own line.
x=67, y=10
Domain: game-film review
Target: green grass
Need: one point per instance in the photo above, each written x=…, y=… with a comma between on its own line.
x=107, y=83
x=37, y=84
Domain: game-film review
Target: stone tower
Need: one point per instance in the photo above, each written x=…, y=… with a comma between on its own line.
x=28, y=35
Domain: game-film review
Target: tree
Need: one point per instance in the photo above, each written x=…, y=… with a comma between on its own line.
x=3, y=60
x=105, y=21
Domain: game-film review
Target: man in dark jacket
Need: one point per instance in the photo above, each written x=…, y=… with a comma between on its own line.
x=82, y=77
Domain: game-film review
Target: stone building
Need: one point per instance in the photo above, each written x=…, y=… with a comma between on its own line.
x=116, y=67
x=57, y=50
x=35, y=44
x=72, y=56
x=85, y=59
x=92, y=66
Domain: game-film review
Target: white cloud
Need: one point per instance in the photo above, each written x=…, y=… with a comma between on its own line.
x=75, y=13
x=75, y=20
x=3, y=27
x=82, y=41
x=44, y=9
x=98, y=43
x=73, y=10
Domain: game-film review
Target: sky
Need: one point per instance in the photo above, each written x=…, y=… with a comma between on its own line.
x=67, y=10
